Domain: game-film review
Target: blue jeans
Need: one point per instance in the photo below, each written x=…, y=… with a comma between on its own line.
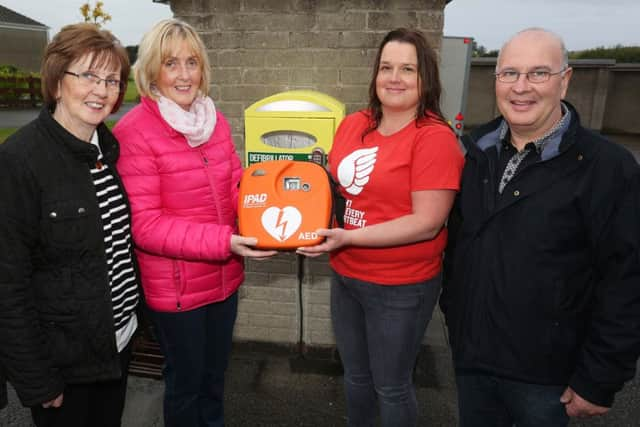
x=378, y=332
x=196, y=346
x=488, y=401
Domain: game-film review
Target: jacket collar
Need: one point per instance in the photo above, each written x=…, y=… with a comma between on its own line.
x=82, y=150
x=152, y=106
x=487, y=136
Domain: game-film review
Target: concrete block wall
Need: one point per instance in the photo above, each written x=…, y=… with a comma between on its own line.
x=623, y=109
x=258, y=48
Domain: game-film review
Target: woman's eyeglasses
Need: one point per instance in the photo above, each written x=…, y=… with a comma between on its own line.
x=88, y=79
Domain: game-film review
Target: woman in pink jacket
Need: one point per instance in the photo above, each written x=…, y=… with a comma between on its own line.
x=181, y=173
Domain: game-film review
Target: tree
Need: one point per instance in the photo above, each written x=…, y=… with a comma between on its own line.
x=622, y=54
x=477, y=49
x=480, y=51
x=95, y=15
x=132, y=51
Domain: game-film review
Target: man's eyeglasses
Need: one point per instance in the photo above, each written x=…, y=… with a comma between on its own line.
x=535, y=76
x=88, y=79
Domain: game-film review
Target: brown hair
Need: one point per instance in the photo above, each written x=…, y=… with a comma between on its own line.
x=72, y=43
x=430, y=88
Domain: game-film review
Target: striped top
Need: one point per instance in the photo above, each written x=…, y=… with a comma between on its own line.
x=116, y=225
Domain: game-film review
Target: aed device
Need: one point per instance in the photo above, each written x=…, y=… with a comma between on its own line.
x=283, y=202
x=294, y=125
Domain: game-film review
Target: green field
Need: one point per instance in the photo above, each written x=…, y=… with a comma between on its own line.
x=5, y=132
x=131, y=95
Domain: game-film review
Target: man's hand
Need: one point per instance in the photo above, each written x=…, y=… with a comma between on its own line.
x=576, y=406
x=55, y=403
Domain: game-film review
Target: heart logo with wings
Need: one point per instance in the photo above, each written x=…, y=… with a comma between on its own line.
x=355, y=169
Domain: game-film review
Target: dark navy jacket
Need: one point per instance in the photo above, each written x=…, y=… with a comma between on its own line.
x=542, y=283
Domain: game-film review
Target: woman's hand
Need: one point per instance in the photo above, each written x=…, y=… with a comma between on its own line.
x=243, y=246
x=335, y=238
x=55, y=403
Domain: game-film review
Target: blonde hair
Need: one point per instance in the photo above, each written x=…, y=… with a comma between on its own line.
x=157, y=45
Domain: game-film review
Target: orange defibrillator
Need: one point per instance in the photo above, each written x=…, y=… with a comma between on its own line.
x=283, y=202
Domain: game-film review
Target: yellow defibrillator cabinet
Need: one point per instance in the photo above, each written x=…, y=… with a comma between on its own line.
x=293, y=125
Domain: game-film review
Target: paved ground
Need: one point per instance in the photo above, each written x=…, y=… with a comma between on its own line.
x=269, y=387
x=272, y=387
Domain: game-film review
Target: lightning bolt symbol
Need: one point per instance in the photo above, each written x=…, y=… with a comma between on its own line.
x=281, y=223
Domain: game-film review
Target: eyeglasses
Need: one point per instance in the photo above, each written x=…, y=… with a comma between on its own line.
x=535, y=76
x=89, y=79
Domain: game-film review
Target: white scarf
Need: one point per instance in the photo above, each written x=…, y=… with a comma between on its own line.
x=197, y=124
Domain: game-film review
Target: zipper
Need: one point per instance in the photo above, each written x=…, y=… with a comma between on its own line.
x=205, y=161
x=176, y=280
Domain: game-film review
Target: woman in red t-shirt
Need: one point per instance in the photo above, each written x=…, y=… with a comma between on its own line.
x=398, y=165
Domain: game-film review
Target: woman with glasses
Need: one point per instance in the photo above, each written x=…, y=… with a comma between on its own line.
x=68, y=283
x=181, y=172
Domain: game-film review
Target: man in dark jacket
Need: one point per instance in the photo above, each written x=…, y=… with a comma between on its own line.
x=542, y=273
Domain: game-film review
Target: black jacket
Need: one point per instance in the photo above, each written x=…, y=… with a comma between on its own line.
x=56, y=319
x=3, y=389
x=542, y=283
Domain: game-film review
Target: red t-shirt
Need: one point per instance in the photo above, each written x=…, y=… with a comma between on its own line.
x=377, y=176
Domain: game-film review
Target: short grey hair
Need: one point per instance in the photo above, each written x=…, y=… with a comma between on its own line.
x=556, y=36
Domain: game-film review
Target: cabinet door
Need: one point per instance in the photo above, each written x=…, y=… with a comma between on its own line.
x=284, y=138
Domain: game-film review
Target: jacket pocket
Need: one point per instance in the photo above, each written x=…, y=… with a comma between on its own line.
x=565, y=330
x=66, y=223
x=63, y=342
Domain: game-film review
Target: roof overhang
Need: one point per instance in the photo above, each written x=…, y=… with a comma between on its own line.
x=13, y=26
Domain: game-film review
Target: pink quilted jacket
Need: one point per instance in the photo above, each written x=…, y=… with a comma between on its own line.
x=183, y=203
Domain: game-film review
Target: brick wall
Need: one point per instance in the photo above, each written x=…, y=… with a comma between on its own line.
x=261, y=47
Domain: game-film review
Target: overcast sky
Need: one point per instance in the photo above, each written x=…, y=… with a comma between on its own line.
x=130, y=19
x=582, y=23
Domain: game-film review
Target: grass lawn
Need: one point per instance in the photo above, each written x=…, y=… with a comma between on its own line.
x=5, y=132
x=131, y=95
